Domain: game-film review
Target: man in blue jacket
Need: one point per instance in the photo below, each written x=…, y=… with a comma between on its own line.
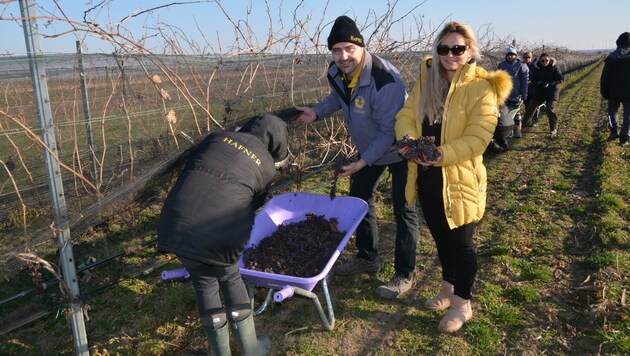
x=370, y=92
x=520, y=76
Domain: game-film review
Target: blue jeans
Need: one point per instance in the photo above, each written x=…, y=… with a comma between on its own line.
x=362, y=185
x=613, y=117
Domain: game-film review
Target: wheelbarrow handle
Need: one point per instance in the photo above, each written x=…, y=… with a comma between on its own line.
x=284, y=293
x=174, y=274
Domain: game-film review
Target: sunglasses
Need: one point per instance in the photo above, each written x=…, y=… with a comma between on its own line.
x=457, y=50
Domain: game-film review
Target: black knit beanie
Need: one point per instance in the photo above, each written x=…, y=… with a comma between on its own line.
x=345, y=30
x=622, y=41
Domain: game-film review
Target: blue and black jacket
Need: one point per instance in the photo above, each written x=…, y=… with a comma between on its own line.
x=370, y=111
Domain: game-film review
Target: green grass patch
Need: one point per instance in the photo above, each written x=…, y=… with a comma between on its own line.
x=562, y=184
x=546, y=233
x=523, y=294
x=534, y=271
x=485, y=337
x=495, y=250
x=616, y=340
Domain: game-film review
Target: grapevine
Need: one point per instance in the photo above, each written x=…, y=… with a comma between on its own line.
x=336, y=168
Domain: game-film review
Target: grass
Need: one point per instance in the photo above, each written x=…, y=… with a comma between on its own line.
x=553, y=256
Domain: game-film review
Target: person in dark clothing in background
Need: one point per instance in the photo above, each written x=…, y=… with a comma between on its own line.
x=207, y=218
x=615, y=87
x=528, y=58
x=546, y=78
x=505, y=125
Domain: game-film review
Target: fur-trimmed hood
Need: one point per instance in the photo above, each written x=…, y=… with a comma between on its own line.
x=552, y=63
x=500, y=81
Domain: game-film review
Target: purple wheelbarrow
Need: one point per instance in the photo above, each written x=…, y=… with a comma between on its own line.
x=285, y=209
x=293, y=207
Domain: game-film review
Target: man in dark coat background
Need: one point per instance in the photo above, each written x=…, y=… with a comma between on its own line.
x=207, y=218
x=615, y=87
x=546, y=79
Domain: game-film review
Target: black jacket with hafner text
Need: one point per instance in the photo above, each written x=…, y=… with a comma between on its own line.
x=208, y=214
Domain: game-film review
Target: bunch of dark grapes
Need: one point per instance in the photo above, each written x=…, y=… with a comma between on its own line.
x=423, y=148
x=336, y=168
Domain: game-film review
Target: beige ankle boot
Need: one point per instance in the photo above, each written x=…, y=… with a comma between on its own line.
x=443, y=299
x=459, y=313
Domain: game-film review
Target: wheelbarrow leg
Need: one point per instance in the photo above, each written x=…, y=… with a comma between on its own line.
x=329, y=322
x=250, y=291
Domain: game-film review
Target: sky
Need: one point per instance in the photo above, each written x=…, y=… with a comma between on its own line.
x=576, y=24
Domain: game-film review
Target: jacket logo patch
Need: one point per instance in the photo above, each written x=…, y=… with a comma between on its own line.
x=359, y=102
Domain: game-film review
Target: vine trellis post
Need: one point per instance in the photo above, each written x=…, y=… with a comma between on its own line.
x=53, y=172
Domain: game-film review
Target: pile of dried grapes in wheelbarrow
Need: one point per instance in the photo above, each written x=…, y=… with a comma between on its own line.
x=300, y=249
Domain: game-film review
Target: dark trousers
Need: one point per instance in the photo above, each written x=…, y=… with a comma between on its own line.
x=613, y=117
x=536, y=112
x=550, y=110
x=501, y=133
x=362, y=185
x=208, y=281
x=455, y=247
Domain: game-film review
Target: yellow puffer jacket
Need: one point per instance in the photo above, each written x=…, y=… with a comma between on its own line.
x=470, y=117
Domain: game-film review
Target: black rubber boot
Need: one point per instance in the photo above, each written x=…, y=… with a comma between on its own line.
x=245, y=333
x=219, y=340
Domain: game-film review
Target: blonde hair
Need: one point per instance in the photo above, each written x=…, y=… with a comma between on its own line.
x=436, y=85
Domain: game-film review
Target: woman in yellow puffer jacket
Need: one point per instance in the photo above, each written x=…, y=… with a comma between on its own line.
x=457, y=102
